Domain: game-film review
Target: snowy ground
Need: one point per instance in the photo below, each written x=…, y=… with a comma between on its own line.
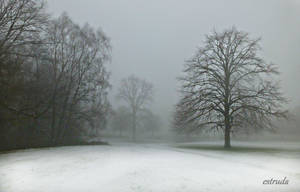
x=147, y=168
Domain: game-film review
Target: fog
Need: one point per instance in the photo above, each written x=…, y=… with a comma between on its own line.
x=64, y=128
x=152, y=39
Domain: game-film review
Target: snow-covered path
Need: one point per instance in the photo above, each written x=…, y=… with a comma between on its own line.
x=144, y=168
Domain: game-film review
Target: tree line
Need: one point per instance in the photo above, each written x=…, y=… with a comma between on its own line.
x=53, y=79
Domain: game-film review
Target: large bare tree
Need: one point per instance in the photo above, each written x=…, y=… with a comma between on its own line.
x=80, y=79
x=228, y=86
x=136, y=93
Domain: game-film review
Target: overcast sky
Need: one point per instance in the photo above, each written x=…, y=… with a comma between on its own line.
x=152, y=38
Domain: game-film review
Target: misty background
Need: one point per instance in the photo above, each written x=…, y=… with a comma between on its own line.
x=152, y=39
x=62, y=128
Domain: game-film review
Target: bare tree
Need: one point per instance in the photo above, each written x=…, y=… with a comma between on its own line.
x=80, y=80
x=136, y=93
x=228, y=86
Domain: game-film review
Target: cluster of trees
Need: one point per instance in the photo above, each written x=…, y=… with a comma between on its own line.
x=54, y=83
x=53, y=80
x=227, y=86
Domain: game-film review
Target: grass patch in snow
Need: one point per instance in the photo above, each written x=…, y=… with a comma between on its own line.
x=239, y=149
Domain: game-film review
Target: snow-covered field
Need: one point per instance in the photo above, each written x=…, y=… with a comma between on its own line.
x=123, y=167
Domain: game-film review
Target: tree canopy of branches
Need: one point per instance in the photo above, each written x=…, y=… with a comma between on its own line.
x=80, y=80
x=21, y=22
x=228, y=86
x=137, y=93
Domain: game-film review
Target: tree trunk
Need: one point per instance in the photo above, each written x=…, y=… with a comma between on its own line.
x=134, y=126
x=227, y=133
x=53, y=122
x=227, y=139
x=120, y=132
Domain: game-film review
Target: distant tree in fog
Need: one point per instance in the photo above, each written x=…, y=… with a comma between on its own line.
x=137, y=93
x=228, y=86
